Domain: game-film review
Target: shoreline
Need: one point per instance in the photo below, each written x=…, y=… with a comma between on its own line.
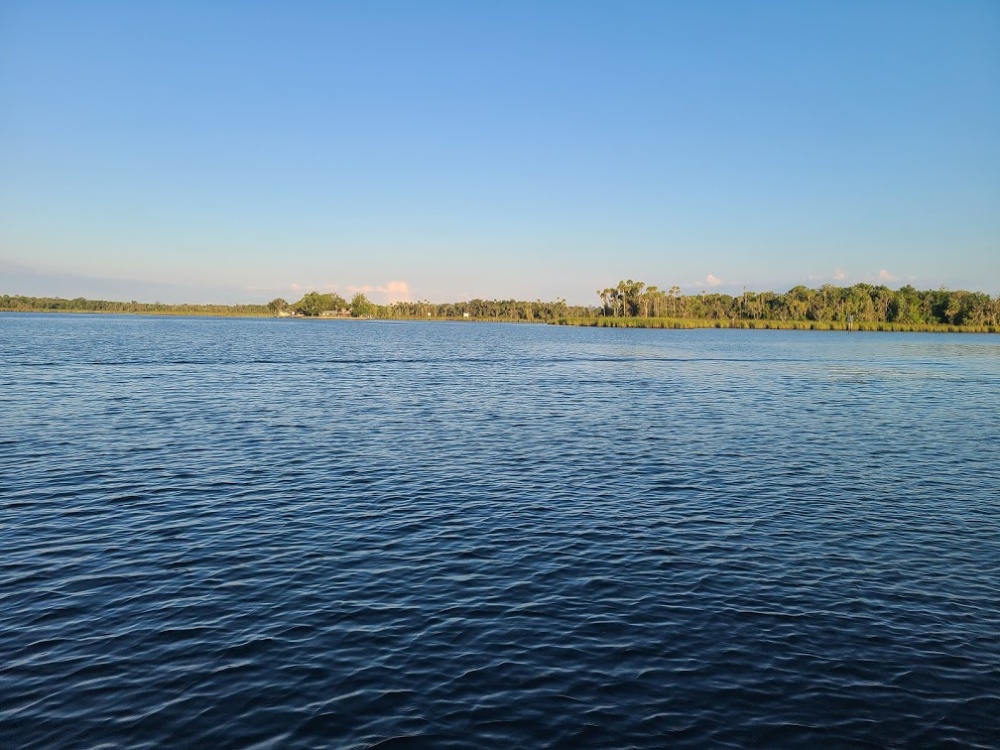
x=776, y=325
x=592, y=322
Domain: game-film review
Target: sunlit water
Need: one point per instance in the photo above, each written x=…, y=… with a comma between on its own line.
x=277, y=533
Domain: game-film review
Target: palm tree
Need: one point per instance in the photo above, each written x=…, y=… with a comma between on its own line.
x=649, y=299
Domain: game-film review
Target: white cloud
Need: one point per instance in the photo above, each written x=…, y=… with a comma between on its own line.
x=839, y=275
x=396, y=291
x=711, y=280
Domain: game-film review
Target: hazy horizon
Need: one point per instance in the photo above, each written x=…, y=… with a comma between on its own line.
x=442, y=151
x=70, y=286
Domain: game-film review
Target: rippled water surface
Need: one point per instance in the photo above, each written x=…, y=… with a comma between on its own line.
x=283, y=533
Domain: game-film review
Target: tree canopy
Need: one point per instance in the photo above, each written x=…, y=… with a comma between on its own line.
x=314, y=304
x=862, y=303
x=362, y=307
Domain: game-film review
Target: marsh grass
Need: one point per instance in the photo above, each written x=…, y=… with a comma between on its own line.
x=784, y=325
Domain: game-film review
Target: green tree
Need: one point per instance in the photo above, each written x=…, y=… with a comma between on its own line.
x=315, y=303
x=362, y=307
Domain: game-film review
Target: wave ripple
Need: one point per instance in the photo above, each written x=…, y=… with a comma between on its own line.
x=225, y=533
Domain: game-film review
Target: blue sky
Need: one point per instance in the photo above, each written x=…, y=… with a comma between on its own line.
x=192, y=151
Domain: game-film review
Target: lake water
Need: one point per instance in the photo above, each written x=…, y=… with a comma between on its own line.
x=223, y=533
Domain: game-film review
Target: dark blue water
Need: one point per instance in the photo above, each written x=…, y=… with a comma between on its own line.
x=279, y=533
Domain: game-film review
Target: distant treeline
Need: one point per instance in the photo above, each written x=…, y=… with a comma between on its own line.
x=315, y=304
x=629, y=304
x=860, y=303
x=333, y=305
x=79, y=304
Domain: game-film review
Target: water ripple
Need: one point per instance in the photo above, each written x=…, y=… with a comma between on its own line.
x=224, y=533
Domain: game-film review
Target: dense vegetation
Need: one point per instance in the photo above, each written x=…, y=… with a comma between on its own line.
x=315, y=304
x=333, y=305
x=489, y=309
x=629, y=304
x=861, y=303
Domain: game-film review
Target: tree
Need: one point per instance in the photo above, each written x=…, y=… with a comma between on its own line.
x=651, y=301
x=362, y=307
x=609, y=297
x=277, y=305
x=674, y=295
x=315, y=303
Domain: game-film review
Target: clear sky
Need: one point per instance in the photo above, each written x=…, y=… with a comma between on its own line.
x=238, y=151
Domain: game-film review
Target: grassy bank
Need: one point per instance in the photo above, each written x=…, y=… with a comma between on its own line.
x=785, y=325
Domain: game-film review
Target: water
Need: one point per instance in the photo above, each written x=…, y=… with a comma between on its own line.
x=281, y=533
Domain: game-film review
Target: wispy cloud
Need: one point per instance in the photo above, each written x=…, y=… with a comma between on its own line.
x=17, y=278
x=882, y=277
x=389, y=292
x=841, y=277
x=363, y=289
